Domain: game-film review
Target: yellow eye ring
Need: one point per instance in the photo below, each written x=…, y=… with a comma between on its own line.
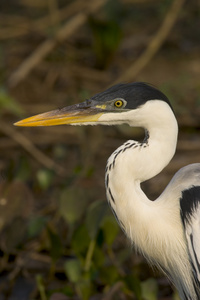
x=118, y=103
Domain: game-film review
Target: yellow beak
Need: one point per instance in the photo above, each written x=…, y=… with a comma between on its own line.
x=75, y=114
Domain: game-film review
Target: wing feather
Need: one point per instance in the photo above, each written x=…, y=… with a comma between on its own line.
x=190, y=214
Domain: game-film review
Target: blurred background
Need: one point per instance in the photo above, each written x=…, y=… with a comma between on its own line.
x=58, y=238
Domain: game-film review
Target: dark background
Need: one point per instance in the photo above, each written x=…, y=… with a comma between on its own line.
x=58, y=238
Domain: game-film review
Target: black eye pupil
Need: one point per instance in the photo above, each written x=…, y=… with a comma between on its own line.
x=118, y=103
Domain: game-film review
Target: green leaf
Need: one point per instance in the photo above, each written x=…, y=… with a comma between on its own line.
x=86, y=289
x=109, y=275
x=36, y=225
x=133, y=284
x=73, y=270
x=24, y=171
x=73, y=203
x=56, y=248
x=110, y=229
x=45, y=178
x=80, y=240
x=41, y=287
x=96, y=213
x=8, y=103
x=149, y=289
x=98, y=257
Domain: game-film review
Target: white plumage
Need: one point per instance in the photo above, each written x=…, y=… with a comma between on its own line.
x=154, y=227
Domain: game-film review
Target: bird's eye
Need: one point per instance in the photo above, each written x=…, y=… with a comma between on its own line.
x=119, y=103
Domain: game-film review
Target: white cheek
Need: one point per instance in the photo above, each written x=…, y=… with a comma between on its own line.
x=117, y=118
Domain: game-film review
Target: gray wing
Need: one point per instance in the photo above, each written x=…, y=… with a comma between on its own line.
x=190, y=214
x=185, y=187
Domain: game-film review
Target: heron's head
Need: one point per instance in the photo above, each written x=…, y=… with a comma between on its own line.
x=122, y=103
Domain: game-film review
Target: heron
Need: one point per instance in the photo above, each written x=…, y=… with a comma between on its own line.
x=167, y=230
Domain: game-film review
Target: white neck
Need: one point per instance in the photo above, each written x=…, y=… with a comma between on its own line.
x=147, y=223
x=147, y=160
x=133, y=162
x=130, y=165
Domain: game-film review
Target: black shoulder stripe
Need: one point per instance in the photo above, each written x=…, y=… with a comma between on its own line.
x=189, y=202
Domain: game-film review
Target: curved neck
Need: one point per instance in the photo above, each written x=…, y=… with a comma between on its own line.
x=152, y=157
x=134, y=162
x=144, y=160
x=162, y=128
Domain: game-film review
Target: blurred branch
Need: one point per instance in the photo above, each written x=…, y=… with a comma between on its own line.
x=14, y=26
x=64, y=13
x=26, y=26
x=47, y=46
x=155, y=43
x=31, y=148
